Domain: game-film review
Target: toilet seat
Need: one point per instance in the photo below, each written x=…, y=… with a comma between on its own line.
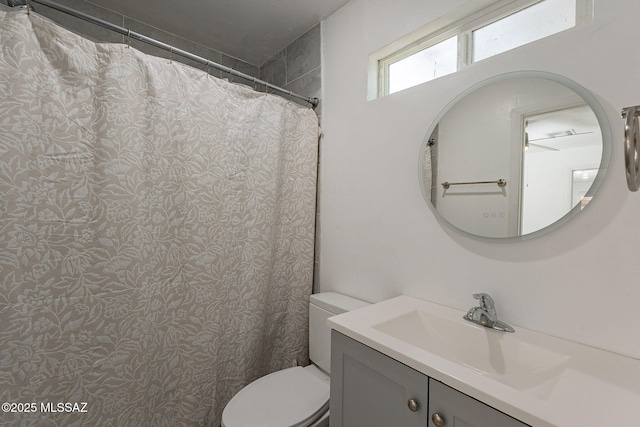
x=292, y=397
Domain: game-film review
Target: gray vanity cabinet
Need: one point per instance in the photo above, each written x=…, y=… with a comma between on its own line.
x=371, y=389
x=459, y=410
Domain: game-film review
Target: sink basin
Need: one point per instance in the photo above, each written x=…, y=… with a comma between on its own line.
x=511, y=359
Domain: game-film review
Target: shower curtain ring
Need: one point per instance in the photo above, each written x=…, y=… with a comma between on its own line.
x=28, y=7
x=170, y=54
x=128, y=37
x=208, y=69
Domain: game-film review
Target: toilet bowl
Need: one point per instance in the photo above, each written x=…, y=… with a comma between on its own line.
x=294, y=397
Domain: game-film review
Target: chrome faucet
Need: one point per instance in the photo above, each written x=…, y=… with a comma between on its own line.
x=485, y=314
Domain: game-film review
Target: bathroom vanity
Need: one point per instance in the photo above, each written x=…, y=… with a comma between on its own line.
x=410, y=362
x=374, y=390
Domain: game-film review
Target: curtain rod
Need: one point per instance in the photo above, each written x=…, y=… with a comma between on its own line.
x=174, y=50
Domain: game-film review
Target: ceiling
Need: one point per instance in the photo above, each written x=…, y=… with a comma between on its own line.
x=570, y=128
x=250, y=30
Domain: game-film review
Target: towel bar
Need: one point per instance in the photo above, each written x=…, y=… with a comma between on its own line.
x=501, y=183
x=631, y=157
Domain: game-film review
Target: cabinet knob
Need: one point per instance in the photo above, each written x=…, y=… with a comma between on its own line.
x=437, y=420
x=413, y=405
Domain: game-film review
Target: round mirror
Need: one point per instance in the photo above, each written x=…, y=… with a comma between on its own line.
x=515, y=156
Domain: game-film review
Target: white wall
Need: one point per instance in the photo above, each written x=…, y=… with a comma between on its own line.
x=378, y=238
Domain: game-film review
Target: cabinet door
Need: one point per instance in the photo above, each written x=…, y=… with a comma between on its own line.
x=459, y=410
x=370, y=389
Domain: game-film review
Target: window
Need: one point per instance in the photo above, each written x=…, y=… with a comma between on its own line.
x=533, y=23
x=427, y=64
x=454, y=42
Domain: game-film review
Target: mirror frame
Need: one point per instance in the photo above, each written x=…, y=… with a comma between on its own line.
x=591, y=101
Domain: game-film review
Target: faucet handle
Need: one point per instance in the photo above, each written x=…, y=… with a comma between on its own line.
x=486, y=302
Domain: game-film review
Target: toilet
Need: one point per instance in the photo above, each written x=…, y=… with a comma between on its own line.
x=294, y=397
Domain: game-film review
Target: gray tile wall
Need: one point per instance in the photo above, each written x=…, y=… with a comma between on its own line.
x=297, y=66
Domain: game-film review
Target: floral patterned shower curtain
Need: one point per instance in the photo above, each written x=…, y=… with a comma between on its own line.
x=156, y=233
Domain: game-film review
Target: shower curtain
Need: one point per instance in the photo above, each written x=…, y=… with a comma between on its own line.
x=156, y=233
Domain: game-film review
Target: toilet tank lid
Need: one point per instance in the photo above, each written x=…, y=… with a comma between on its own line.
x=336, y=303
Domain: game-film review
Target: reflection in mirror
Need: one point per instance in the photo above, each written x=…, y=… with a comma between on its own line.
x=559, y=144
x=536, y=134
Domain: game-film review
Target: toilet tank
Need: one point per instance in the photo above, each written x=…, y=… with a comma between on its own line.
x=321, y=307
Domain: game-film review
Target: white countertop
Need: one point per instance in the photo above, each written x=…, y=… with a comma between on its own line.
x=595, y=387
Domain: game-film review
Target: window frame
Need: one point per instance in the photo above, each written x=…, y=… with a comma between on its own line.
x=462, y=27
